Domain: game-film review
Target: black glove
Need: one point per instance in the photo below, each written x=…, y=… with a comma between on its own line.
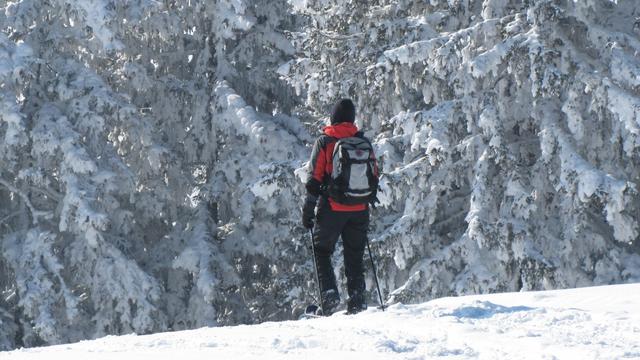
x=309, y=211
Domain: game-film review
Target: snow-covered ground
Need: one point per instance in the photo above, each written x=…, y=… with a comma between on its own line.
x=588, y=323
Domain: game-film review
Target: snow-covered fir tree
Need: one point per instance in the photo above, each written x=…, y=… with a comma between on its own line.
x=152, y=153
x=507, y=132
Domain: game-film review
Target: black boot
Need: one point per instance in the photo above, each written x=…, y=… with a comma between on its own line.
x=330, y=300
x=356, y=302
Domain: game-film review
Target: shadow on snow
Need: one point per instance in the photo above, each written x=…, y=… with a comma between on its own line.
x=485, y=309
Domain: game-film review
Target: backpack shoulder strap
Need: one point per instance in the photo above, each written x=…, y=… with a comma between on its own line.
x=326, y=140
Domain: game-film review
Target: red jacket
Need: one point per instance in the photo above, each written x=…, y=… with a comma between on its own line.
x=321, y=163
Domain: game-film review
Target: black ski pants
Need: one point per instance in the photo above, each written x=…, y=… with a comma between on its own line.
x=352, y=226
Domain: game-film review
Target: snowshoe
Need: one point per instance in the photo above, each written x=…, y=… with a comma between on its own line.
x=312, y=311
x=353, y=309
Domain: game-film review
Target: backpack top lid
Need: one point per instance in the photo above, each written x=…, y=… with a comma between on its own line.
x=357, y=147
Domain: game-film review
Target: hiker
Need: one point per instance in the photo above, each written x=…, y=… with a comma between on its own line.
x=342, y=186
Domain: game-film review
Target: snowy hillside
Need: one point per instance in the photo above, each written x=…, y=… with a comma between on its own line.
x=588, y=323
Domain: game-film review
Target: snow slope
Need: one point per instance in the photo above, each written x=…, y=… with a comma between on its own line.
x=587, y=323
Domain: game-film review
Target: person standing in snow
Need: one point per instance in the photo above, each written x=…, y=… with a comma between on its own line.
x=339, y=214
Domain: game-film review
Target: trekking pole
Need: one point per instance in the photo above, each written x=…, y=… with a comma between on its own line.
x=315, y=266
x=375, y=276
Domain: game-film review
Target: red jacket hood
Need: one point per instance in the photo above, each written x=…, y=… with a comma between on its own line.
x=341, y=130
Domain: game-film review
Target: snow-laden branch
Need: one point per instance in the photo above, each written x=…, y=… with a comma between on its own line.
x=35, y=214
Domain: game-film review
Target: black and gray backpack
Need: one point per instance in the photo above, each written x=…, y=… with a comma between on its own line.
x=353, y=178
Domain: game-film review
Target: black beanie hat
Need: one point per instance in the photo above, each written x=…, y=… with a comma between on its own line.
x=343, y=111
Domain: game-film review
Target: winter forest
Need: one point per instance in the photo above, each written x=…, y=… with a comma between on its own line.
x=153, y=153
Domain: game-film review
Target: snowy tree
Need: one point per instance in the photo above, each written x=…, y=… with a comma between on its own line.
x=108, y=221
x=506, y=132
x=70, y=251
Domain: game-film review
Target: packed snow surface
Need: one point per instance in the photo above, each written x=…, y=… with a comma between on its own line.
x=587, y=323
